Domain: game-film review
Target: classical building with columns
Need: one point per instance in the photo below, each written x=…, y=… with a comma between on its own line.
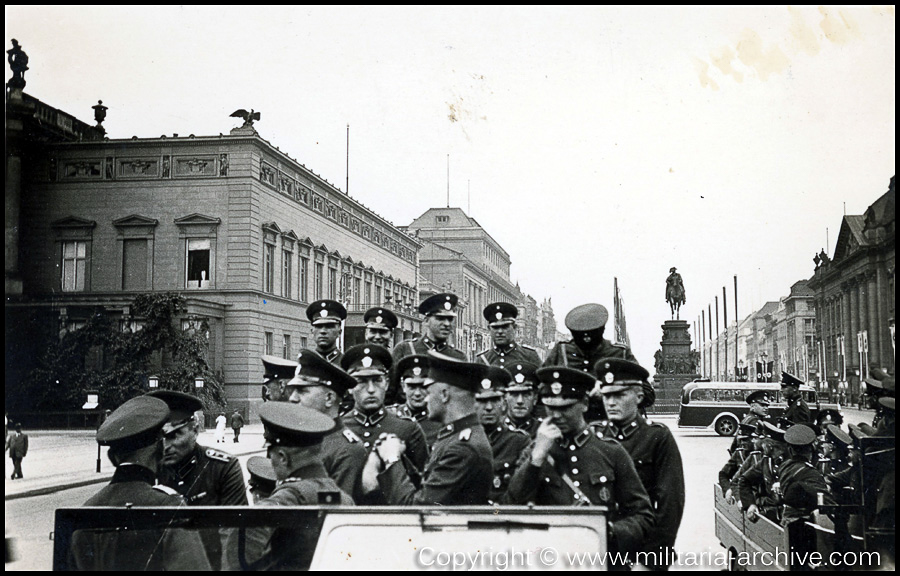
x=854, y=297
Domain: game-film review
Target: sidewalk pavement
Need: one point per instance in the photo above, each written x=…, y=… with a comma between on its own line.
x=62, y=459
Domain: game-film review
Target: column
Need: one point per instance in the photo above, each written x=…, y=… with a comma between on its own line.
x=882, y=296
x=874, y=324
x=845, y=327
x=853, y=348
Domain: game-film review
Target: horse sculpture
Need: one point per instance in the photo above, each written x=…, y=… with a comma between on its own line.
x=675, y=293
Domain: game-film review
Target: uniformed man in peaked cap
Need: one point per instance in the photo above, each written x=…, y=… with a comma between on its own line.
x=507, y=442
x=380, y=324
x=277, y=372
x=738, y=454
x=521, y=397
x=759, y=410
x=459, y=470
x=409, y=375
x=326, y=317
x=293, y=436
x=652, y=448
x=501, y=318
x=204, y=476
x=133, y=433
x=587, y=324
x=370, y=365
x=320, y=385
x=801, y=485
x=758, y=489
x=568, y=465
x=262, y=477
x=797, y=410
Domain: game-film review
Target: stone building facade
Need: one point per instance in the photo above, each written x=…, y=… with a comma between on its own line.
x=854, y=297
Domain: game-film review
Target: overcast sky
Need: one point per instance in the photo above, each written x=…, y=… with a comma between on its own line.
x=596, y=142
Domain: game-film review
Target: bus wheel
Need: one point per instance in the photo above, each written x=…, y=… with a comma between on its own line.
x=726, y=426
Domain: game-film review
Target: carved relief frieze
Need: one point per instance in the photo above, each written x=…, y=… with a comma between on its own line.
x=138, y=168
x=195, y=166
x=83, y=169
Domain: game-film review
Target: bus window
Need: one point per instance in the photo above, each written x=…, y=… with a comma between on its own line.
x=723, y=395
x=702, y=395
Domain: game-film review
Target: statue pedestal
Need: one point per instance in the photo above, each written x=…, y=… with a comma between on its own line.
x=675, y=366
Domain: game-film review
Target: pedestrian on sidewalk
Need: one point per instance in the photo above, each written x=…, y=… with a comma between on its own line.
x=18, y=448
x=221, y=422
x=237, y=422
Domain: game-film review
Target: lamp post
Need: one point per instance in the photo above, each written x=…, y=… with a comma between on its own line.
x=198, y=383
x=153, y=382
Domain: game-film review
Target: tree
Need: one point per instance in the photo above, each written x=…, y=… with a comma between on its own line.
x=102, y=357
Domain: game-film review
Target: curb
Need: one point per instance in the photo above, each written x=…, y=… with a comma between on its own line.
x=56, y=488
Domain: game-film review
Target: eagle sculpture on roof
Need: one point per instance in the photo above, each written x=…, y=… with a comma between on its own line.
x=248, y=117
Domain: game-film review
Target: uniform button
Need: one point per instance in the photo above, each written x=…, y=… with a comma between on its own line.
x=366, y=444
x=574, y=458
x=572, y=447
x=180, y=482
x=506, y=464
x=547, y=479
x=367, y=434
x=603, y=478
x=574, y=470
x=621, y=437
x=577, y=484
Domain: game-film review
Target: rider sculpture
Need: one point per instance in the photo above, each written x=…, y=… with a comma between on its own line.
x=675, y=292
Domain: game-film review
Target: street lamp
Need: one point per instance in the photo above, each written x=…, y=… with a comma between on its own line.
x=153, y=382
x=198, y=382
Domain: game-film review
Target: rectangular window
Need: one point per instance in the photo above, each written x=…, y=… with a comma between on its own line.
x=269, y=339
x=286, y=273
x=320, y=271
x=368, y=293
x=304, y=279
x=332, y=283
x=198, y=270
x=378, y=295
x=356, y=284
x=303, y=343
x=268, y=267
x=74, y=265
x=134, y=264
x=286, y=347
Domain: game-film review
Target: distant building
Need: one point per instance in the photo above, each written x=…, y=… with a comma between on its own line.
x=460, y=256
x=247, y=234
x=854, y=297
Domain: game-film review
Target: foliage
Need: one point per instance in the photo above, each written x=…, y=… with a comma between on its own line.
x=101, y=357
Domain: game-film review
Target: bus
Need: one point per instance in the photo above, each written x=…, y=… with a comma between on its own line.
x=720, y=406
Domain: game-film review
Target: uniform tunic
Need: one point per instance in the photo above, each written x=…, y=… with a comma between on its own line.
x=429, y=427
x=344, y=458
x=334, y=356
x=286, y=548
x=604, y=473
x=459, y=471
x=421, y=345
x=511, y=354
x=569, y=354
x=798, y=412
x=658, y=462
x=132, y=550
x=529, y=425
x=208, y=477
x=370, y=427
x=507, y=444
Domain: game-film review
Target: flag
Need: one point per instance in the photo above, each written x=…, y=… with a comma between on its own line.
x=621, y=331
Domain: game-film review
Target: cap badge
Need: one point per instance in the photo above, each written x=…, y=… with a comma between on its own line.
x=447, y=305
x=556, y=387
x=499, y=315
x=367, y=361
x=520, y=378
x=486, y=384
x=323, y=313
x=379, y=320
x=417, y=371
x=609, y=377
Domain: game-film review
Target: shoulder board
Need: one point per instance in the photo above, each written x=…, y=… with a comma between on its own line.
x=607, y=438
x=520, y=431
x=216, y=455
x=483, y=352
x=350, y=436
x=617, y=345
x=527, y=347
x=655, y=424
x=404, y=416
x=465, y=434
x=166, y=490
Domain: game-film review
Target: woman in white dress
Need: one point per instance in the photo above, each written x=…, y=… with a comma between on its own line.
x=220, y=427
